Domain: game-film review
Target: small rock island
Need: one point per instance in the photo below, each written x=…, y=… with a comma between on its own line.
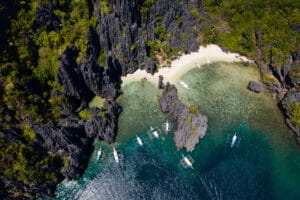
x=190, y=124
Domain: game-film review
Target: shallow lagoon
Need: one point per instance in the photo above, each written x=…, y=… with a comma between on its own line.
x=266, y=165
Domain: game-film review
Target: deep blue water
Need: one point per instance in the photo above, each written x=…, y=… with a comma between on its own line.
x=266, y=164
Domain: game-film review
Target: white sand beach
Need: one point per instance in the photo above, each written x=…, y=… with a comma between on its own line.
x=186, y=62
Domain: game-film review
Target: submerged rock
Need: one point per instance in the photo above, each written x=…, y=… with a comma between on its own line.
x=191, y=125
x=255, y=87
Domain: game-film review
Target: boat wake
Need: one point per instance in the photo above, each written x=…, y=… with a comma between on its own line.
x=211, y=188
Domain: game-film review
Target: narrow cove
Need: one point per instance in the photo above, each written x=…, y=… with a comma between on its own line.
x=264, y=166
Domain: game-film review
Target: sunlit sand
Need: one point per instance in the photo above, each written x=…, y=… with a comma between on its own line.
x=186, y=62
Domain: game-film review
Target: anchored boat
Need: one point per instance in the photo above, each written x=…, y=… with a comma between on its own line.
x=153, y=132
x=167, y=127
x=184, y=84
x=139, y=141
x=233, y=140
x=99, y=153
x=116, y=156
x=187, y=161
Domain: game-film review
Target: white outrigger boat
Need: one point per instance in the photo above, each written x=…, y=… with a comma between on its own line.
x=139, y=141
x=187, y=161
x=234, y=140
x=99, y=153
x=184, y=84
x=116, y=156
x=167, y=127
x=153, y=133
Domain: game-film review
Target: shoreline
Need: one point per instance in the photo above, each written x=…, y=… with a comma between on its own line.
x=184, y=63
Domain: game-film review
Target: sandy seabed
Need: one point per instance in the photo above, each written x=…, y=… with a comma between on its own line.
x=186, y=62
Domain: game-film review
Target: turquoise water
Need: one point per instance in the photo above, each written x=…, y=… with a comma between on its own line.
x=266, y=165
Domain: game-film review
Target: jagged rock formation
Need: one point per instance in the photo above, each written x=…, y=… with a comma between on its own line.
x=255, y=87
x=284, y=86
x=105, y=127
x=70, y=77
x=191, y=125
x=84, y=80
x=287, y=107
x=46, y=18
x=81, y=82
x=70, y=141
x=127, y=32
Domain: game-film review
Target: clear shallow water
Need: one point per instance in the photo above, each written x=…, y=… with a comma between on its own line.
x=266, y=165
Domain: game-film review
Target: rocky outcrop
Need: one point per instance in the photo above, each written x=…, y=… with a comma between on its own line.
x=81, y=82
x=89, y=69
x=46, y=18
x=287, y=83
x=105, y=127
x=288, y=106
x=254, y=86
x=283, y=81
x=70, y=142
x=111, y=80
x=291, y=98
x=191, y=125
x=70, y=77
x=128, y=33
x=293, y=77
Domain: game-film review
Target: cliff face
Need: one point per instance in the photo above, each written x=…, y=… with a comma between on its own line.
x=69, y=141
x=134, y=31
